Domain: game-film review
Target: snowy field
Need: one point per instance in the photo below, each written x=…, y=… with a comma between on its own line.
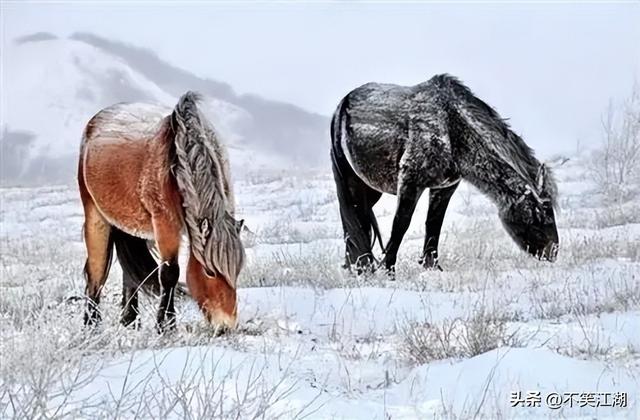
x=314, y=342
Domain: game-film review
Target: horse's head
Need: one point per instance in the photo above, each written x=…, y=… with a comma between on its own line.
x=213, y=285
x=530, y=219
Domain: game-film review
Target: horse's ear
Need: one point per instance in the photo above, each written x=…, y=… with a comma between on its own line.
x=239, y=225
x=204, y=227
x=556, y=162
x=542, y=173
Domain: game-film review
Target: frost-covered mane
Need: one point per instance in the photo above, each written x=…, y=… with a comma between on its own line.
x=507, y=145
x=201, y=171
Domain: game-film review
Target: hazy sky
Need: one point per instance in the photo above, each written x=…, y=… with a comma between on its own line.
x=550, y=68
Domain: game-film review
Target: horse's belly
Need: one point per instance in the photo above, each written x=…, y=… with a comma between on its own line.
x=375, y=162
x=112, y=170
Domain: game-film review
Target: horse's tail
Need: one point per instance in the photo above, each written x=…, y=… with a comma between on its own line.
x=358, y=219
x=138, y=265
x=201, y=177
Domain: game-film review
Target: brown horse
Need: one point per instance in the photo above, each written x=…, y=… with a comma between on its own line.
x=146, y=173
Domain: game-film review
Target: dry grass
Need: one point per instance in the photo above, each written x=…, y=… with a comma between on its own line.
x=424, y=342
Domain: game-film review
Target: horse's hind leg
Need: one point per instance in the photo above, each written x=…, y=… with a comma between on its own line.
x=137, y=268
x=438, y=201
x=97, y=238
x=356, y=200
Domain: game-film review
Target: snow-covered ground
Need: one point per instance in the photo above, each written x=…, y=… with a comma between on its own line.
x=315, y=342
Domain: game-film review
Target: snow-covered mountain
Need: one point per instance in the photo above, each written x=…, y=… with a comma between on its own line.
x=52, y=86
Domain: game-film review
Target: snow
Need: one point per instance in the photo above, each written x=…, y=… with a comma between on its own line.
x=314, y=341
x=420, y=394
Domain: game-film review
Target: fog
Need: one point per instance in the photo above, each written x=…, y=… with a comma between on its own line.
x=550, y=68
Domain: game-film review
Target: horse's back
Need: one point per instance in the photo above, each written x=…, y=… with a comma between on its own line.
x=385, y=121
x=130, y=121
x=378, y=106
x=117, y=143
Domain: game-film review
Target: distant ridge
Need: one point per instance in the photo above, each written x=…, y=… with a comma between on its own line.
x=38, y=36
x=277, y=125
x=53, y=85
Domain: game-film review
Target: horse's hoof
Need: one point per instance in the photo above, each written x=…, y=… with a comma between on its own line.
x=430, y=262
x=133, y=324
x=165, y=329
x=222, y=330
x=366, y=270
x=360, y=269
x=166, y=326
x=390, y=272
x=92, y=319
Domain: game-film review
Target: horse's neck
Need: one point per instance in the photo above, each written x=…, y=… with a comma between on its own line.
x=496, y=179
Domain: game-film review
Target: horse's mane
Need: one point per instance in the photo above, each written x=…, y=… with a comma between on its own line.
x=508, y=145
x=201, y=171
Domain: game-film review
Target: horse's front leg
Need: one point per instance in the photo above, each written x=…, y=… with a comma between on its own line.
x=438, y=201
x=167, y=234
x=408, y=195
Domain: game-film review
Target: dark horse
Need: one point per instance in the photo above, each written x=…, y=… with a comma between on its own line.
x=150, y=173
x=402, y=140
